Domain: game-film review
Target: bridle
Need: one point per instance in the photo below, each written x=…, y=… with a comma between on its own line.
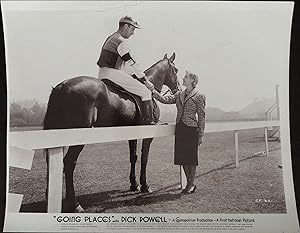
x=173, y=71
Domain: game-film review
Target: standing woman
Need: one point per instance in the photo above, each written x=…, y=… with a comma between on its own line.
x=189, y=129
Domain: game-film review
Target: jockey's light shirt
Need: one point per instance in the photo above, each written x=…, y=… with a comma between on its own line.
x=115, y=53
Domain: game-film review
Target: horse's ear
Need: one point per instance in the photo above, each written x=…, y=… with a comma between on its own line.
x=166, y=56
x=172, y=58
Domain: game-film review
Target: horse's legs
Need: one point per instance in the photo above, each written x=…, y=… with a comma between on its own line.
x=69, y=166
x=144, y=159
x=133, y=158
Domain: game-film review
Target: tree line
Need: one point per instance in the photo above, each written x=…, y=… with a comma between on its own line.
x=27, y=116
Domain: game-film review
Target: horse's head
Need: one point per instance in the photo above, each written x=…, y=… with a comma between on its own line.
x=164, y=72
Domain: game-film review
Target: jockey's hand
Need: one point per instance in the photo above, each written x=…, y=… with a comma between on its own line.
x=149, y=85
x=145, y=81
x=142, y=80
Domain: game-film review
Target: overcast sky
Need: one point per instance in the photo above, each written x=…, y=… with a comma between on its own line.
x=240, y=50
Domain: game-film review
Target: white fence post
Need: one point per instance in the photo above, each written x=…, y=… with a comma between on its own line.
x=55, y=180
x=278, y=107
x=236, y=147
x=266, y=141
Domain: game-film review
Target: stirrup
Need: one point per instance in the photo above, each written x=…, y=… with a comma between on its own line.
x=149, y=123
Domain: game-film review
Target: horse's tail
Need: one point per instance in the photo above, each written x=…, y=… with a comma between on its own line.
x=53, y=118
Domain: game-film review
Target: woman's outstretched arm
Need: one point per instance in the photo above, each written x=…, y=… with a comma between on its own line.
x=170, y=99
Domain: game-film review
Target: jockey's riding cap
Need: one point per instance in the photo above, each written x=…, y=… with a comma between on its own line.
x=129, y=20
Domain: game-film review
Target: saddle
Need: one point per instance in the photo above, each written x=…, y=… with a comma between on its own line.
x=136, y=99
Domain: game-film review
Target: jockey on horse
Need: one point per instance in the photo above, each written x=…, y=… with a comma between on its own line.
x=117, y=64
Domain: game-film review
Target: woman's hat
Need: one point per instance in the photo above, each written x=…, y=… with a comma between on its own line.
x=129, y=20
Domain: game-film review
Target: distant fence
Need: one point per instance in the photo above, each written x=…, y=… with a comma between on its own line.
x=23, y=143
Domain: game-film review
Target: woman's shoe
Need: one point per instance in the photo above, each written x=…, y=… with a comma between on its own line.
x=191, y=190
x=184, y=191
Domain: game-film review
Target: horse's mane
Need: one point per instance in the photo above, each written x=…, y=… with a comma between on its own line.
x=153, y=65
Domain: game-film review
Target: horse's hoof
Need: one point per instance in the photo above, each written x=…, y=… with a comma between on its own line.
x=146, y=189
x=134, y=188
x=79, y=209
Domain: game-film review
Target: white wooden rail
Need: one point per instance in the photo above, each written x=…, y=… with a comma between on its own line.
x=23, y=143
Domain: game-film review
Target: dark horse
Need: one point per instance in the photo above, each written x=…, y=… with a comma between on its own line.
x=84, y=102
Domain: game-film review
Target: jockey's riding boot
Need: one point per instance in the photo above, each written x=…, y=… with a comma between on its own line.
x=147, y=113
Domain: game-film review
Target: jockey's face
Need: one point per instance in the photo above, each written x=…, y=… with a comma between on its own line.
x=128, y=31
